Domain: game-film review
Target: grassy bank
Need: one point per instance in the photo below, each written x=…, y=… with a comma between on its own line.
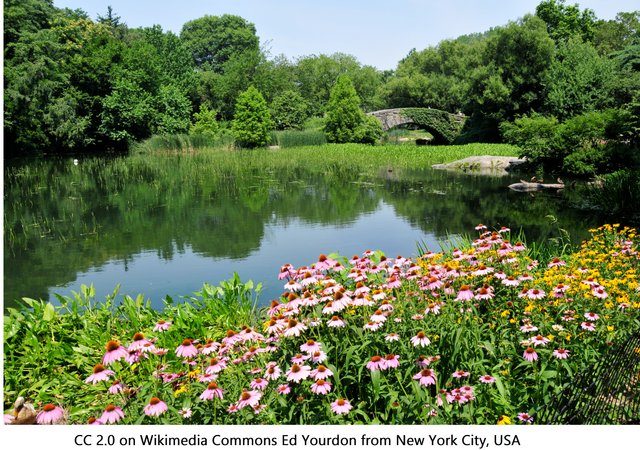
x=365, y=156
x=483, y=334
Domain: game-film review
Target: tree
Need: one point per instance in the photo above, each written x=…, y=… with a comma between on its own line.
x=578, y=80
x=343, y=117
x=565, y=21
x=252, y=121
x=316, y=74
x=614, y=35
x=205, y=122
x=510, y=80
x=289, y=110
x=214, y=40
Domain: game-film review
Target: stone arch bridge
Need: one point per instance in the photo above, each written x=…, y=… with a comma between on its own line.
x=444, y=126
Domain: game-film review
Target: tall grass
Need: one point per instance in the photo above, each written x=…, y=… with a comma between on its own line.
x=294, y=138
x=182, y=142
x=616, y=193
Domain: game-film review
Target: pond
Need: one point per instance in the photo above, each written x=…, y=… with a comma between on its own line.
x=164, y=225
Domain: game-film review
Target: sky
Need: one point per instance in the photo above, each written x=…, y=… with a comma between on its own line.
x=377, y=32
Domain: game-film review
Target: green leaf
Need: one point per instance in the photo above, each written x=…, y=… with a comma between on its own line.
x=49, y=312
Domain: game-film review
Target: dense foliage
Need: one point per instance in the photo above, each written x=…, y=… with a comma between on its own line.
x=252, y=121
x=75, y=84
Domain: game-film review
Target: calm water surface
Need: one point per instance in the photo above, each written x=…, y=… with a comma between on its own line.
x=165, y=225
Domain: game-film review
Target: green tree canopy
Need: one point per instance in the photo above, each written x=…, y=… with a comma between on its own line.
x=214, y=40
x=578, y=80
x=289, y=110
x=565, y=21
x=252, y=121
x=344, y=116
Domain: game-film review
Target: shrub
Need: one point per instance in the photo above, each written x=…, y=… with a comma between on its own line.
x=370, y=131
x=252, y=120
x=344, y=117
x=536, y=136
x=205, y=122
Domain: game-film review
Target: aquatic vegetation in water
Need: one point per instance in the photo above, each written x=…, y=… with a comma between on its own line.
x=480, y=334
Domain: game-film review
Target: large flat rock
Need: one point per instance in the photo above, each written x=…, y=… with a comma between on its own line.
x=486, y=164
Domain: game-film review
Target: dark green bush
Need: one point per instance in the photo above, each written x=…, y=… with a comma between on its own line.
x=537, y=137
x=289, y=110
x=252, y=121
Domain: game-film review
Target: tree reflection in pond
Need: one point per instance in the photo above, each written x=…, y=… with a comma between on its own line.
x=166, y=224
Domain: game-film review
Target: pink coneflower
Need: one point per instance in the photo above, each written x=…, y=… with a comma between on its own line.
x=185, y=412
x=206, y=378
x=374, y=363
x=524, y=417
x=591, y=316
x=487, y=379
x=162, y=325
x=283, y=389
x=536, y=294
x=216, y=365
x=465, y=293
x=116, y=386
x=272, y=372
x=100, y=373
x=210, y=347
x=589, y=326
x=420, y=340
x=528, y=328
x=434, y=283
x=298, y=373
x=139, y=342
x=599, y=292
x=460, y=374
x=481, y=227
x=561, y=353
x=321, y=373
x=321, y=387
x=233, y=408
x=378, y=316
x=318, y=357
x=249, y=398
x=212, y=391
x=510, y=281
x=114, y=352
x=539, y=340
x=433, y=307
x=112, y=414
x=426, y=377
x=93, y=421
x=50, y=414
x=299, y=358
x=391, y=361
x=155, y=407
x=530, y=354
x=259, y=383
x=423, y=361
x=293, y=286
x=519, y=247
x=294, y=328
x=392, y=337
x=481, y=270
x=308, y=279
x=186, y=349
x=341, y=406
x=310, y=346
x=484, y=294
x=556, y=262
x=372, y=326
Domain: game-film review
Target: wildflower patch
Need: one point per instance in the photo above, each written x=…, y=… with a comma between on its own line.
x=477, y=335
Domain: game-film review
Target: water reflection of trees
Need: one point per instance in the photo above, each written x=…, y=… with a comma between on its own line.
x=62, y=219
